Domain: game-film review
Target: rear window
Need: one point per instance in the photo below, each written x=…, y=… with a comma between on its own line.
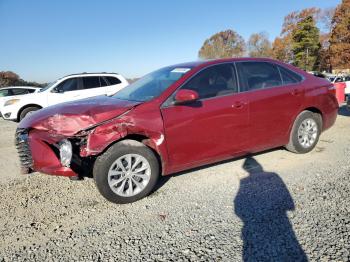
x=339, y=79
x=112, y=80
x=288, y=76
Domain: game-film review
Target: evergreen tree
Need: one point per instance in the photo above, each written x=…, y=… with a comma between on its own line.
x=306, y=44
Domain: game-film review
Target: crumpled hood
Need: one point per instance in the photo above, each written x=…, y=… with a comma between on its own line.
x=72, y=117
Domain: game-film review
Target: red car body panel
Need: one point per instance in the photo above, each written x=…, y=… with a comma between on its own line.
x=183, y=136
x=207, y=131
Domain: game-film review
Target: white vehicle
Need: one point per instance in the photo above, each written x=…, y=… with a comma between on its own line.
x=345, y=79
x=68, y=88
x=347, y=82
x=10, y=92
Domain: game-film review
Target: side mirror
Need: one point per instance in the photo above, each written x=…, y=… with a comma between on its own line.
x=57, y=90
x=184, y=96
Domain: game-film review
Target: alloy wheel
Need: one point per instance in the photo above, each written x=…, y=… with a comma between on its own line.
x=129, y=175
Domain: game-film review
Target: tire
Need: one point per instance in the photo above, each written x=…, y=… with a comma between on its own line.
x=306, y=120
x=27, y=110
x=109, y=175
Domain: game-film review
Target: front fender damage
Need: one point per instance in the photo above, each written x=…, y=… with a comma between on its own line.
x=93, y=139
x=97, y=140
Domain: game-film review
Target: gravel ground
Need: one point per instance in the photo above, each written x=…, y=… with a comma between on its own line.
x=275, y=206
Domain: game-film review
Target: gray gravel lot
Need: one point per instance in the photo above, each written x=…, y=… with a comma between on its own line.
x=275, y=206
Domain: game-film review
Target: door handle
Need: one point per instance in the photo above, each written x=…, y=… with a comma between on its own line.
x=238, y=105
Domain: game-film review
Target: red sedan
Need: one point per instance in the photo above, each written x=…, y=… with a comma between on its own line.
x=176, y=118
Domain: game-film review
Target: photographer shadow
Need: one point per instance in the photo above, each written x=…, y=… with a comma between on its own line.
x=262, y=203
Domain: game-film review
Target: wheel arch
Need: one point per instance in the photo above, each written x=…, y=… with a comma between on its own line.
x=147, y=141
x=26, y=106
x=311, y=109
x=317, y=111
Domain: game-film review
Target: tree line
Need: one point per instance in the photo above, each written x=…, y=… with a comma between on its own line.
x=9, y=78
x=312, y=39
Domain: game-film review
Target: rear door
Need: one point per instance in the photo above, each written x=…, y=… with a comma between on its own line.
x=275, y=97
x=93, y=86
x=212, y=128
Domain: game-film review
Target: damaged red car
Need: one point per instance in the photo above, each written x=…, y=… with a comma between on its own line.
x=177, y=118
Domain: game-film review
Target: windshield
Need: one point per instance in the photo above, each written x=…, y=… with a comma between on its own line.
x=151, y=85
x=47, y=87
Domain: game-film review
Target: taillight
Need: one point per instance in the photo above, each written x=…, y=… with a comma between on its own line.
x=332, y=89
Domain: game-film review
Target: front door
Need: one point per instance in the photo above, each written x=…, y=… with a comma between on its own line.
x=66, y=91
x=211, y=129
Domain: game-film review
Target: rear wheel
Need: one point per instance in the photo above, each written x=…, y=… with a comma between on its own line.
x=126, y=172
x=305, y=132
x=28, y=111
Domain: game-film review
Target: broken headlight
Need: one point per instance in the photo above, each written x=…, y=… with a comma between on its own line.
x=66, y=152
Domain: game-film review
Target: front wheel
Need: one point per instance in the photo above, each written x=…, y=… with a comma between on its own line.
x=305, y=132
x=126, y=172
x=27, y=111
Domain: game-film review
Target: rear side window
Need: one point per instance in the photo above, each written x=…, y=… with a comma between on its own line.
x=31, y=90
x=4, y=92
x=91, y=82
x=103, y=81
x=19, y=91
x=339, y=79
x=112, y=80
x=258, y=75
x=214, y=81
x=288, y=76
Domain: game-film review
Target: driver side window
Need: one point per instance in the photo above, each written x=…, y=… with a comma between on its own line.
x=214, y=81
x=68, y=85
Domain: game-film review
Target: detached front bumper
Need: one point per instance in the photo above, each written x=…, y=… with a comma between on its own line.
x=37, y=154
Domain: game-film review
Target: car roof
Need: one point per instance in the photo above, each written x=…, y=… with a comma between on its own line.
x=88, y=74
x=221, y=60
x=20, y=87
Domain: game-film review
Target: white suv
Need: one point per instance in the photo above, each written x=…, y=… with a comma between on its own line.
x=345, y=79
x=14, y=92
x=68, y=88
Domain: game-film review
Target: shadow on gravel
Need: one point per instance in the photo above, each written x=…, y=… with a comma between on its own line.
x=344, y=110
x=262, y=203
